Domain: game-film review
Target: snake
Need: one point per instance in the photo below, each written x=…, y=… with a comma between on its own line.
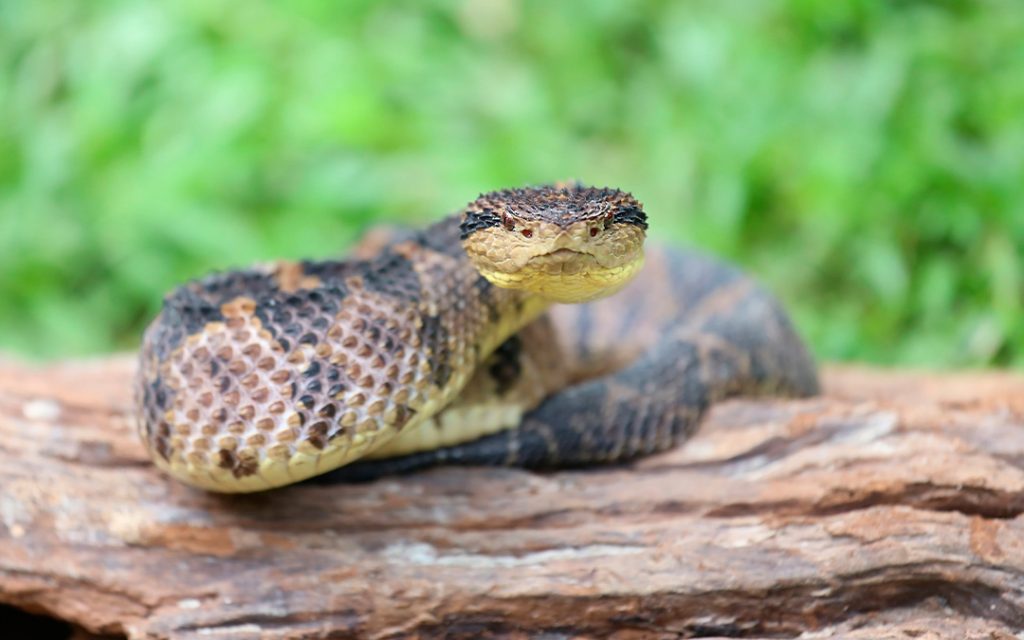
x=536, y=328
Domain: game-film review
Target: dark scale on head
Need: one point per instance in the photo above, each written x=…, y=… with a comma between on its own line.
x=561, y=205
x=476, y=220
x=632, y=216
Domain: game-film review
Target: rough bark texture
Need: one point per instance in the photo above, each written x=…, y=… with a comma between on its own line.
x=889, y=508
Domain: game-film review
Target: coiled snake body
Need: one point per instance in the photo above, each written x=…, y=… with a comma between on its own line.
x=441, y=348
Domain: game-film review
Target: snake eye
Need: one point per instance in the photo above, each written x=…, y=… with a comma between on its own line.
x=508, y=224
x=527, y=233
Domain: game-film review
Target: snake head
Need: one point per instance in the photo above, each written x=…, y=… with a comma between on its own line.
x=563, y=242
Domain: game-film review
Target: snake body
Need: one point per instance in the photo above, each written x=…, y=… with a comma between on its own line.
x=440, y=347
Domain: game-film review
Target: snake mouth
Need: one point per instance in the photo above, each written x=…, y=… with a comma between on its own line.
x=565, y=275
x=563, y=262
x=564, y=255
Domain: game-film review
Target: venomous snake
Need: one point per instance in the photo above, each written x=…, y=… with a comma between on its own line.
x=443, y=347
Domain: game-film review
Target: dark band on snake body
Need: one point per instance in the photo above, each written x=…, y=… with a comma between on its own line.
x=256, y=378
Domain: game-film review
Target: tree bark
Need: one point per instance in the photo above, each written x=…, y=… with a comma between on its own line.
x=890, y=507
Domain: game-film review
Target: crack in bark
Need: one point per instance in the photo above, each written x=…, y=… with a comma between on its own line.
x=782, y=612
x=345, y=624
x=969, y=501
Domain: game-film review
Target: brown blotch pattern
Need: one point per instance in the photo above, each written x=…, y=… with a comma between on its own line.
x=316, y=356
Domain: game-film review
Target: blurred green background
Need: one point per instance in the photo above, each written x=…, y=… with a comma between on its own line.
x=866, y=159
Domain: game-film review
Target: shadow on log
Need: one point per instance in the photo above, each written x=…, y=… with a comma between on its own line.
x=889, y=508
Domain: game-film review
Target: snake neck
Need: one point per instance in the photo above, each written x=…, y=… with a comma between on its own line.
x=494, y=313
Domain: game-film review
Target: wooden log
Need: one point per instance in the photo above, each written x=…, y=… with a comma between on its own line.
x=890, y=507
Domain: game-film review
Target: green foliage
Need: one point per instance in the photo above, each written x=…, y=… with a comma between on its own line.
x=866, y=159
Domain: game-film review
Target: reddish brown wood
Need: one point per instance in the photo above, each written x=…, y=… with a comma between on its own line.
x=889, y=508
